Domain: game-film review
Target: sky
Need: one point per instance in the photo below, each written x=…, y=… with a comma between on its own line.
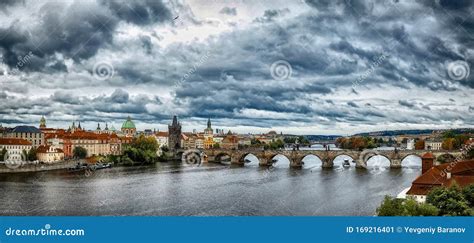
x=301, y=67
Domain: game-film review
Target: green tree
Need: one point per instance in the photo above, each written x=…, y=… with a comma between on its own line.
x=31, y=155
x=142, y=149
x=390, y=207
x=2, y=154
x=400, y=207
x=165, y=148
x=79, y=152
x=468, y=193
x=216, y=145
x=413, y=208
x=449, y=201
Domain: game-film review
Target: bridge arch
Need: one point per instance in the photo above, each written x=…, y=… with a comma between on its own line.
x=316, y=162
x=379, y=163
x=342, y=161
x=282, y=161
x=246, y=158
x=405, y=161
x=221, y=158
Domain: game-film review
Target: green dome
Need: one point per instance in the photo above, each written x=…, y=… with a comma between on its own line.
x=128, y=124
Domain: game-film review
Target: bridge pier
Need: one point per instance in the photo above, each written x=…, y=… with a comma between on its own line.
x=395, y=163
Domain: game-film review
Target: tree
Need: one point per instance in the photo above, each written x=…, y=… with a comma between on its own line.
x=400, y=207
x=79, y=152
x=31, y=155
x=390, y=207
x=2, y=154
x=420, y=145
x=216, y=145
x=449, y=201
x=142, y=149
x=448, y=144
x=165, y=148
x=413, y=208
x=468, y=193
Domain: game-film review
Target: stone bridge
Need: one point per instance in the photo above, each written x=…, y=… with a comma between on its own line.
x=267, y=157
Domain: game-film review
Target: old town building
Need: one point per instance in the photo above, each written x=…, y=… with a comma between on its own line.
x=208, y=136
x=15, y=148
x=49, y=154
x=30, y=133
x=231, y=141
x=128, y=128
x=446, y=175
x=94, y=143
x=433, y=144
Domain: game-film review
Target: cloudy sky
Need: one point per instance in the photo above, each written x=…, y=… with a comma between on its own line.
x=304, y=67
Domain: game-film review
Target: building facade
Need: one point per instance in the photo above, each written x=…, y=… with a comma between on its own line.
x=433, y=144
x=208, y=136
x=15, y=148
x=128, y=128
x=49, y=154
x=30, y=133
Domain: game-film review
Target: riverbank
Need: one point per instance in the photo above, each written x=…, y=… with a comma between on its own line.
x=39, y=167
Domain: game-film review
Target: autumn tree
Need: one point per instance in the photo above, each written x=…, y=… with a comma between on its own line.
x=420, y=145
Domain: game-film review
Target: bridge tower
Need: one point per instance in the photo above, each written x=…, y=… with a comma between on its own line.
x=174, y=135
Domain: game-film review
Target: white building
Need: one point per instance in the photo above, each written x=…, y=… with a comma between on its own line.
x=15, y=148
x=49, y=154
x=411, y=144
x=162, y=139
x=433, y=144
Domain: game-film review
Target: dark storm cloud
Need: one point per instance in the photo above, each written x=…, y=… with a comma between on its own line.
x=404, y=45
x=406, y=103
x=228, y=11
x=139, y=12
x=77, y=31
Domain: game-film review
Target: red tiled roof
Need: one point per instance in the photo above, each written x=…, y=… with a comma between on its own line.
x=161, y=134
x=14, y=141
x=462, y=173
x=45, y=148
x=427, y=156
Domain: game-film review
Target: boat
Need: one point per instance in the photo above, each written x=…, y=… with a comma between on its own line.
x=346, y=163
x=78, y=167
x=100, y=166
x=85, y=166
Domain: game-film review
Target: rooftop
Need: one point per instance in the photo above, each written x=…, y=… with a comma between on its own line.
x=462, y=174
x=25, y=129
x=14, y=141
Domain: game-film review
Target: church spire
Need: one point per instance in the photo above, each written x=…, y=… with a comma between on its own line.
x=209, y=123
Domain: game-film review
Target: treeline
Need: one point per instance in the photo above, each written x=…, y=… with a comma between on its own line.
x=452, y=140
x=440, y=201
x=361, y=143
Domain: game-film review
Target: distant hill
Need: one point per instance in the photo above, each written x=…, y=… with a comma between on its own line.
x=414, y=132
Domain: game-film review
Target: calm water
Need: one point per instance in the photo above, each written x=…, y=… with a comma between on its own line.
x=175, y=189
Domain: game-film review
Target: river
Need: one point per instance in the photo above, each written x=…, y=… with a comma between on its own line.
x=210, y=189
